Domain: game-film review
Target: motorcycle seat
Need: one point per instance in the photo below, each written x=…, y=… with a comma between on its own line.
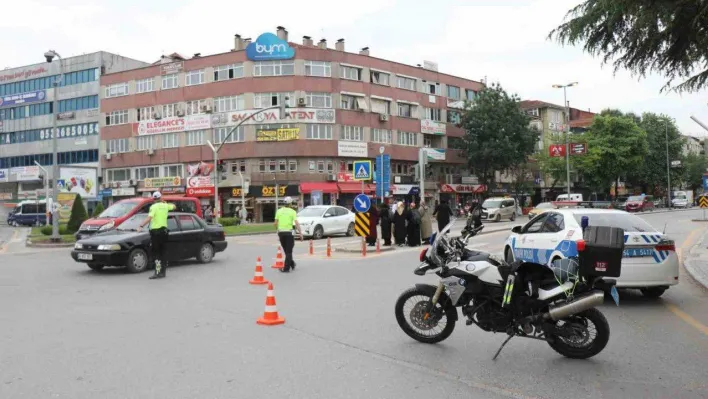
x=475, y=256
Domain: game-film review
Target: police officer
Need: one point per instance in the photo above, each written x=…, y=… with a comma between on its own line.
x=285, y=219
x=158, y=233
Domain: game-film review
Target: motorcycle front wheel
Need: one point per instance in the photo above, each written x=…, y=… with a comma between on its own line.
x=584, y=335
x=422, y=322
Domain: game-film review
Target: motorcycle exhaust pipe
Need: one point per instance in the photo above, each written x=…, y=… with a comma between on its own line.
x=577, y=305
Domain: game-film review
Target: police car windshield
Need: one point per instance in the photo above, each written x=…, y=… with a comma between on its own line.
x=492, y=204
x=628, y=223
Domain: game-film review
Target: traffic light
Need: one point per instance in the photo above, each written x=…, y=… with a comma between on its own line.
x=283, y=106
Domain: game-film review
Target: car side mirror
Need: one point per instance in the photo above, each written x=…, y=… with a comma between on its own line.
x=516, y=229
x=327, y=215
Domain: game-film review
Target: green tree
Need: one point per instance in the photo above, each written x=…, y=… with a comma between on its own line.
x=78, y=215
x=555, y=167
x=665, y=36
x=695, y=165
x=98, y=209
x=652, y=174
x=497, y=133
x=615, y=145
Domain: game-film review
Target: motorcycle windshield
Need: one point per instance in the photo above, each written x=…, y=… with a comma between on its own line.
x=434, y=257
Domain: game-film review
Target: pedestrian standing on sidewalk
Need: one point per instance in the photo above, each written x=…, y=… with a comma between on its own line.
x=442, y=214
x=373, y=226
x=157, y=217
x=385, y=216
x=426, y=222
x=399, y=224
x=285, y=219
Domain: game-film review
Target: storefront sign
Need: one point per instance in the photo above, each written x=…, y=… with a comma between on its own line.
x=4, y=175
x=269, y=47
x=269, y=191
x=345, y=177
x=428, y=126
x=278, y=135
x=105, y=192
x=404, y=189
x=81, y=181
x=173, y=124
x=6, y=77
x=123, y=192
x=435, y=154
x=66, y=202
x=470, y=180
x=236, y=192
x=272, y=116
x=25, y=173
x=5, y=196
x=354, y=149
x=200, y=191
x=173, y=67
x=65, y=116
x=173, y=190
x=23, y=98
x=200, y=169
x=158, y=182
x=556, y=150
x=462, y=188
x=199, y=181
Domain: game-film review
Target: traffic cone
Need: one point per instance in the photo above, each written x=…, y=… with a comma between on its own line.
x=270, y=315
x=279, y=261
x=258, y=275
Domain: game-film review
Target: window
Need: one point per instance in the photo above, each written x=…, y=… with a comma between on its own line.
x=380, y=106
x=453, y=92
x=170, y=110
x=433, y=114
x=145, y=143
x=405, y=83
x=77, y=104
x=146, y=113
x=470, y=94
x=555, y=116
x=408, y=138
x=292, y=166
x=169, y=81
x=348, y=72
x=318, y=100
x=236, y=136
x=532, y=112
x=226, y=72
x=117, y=118
x=381, y=136
x=147, y=172
x=145, y=85
x=265, y=100
x=453, y=117
x=192, y=78
x=228, y=103
x=195, y=107
x=116, y=90
x=187, y=222
x=282, y=166
x=353, y=102
x=273, y=68
x=117, y=146
x=237, y=166
x=319, y=132
x=535, y=225
x=432, y=88
x=318, y=68
x=172, y=171
x=272, y=165
x=380, y=78
x=170, y=140
x=352, y=133
x=406, y=110
x=118, y=174
x=195, y=137
x=553, y=224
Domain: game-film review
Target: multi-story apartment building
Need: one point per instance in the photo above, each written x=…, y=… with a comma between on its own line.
x=692, y=145
x=343, y=107
x=26, y=112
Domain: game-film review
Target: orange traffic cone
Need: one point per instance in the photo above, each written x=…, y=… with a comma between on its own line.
x=270, y=315
x=258, y=275
x=279, y=261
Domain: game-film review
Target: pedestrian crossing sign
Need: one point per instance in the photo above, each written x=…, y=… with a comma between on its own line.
x=362, y=170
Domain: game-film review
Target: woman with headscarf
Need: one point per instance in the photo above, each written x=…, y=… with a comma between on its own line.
x=386, y=220
x=399, y=225
x=373, y=226
x=413, y=218
x=426, y=222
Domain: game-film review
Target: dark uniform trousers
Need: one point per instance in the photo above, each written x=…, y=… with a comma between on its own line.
x=158, y=239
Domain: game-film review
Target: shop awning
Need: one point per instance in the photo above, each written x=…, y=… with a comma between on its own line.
x=325, y=187
x=354, y=187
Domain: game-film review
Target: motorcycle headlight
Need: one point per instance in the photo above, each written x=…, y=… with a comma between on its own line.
x=109, y=247
x=107, y=226
x=78, y=246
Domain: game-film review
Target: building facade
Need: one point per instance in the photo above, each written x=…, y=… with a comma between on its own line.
x=343, y=107
x=26, y=112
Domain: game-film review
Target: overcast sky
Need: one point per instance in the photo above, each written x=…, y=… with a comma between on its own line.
x=502, y=40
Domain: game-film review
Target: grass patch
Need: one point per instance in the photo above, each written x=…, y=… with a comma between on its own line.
x=66, y=238
x=249, y=229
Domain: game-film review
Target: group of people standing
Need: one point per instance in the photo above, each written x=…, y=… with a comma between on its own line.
x=407, y=225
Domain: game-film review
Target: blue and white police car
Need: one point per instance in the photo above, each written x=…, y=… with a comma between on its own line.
x=649, y=263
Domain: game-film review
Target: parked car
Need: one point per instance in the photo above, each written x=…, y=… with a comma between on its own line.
x=639, y=203
x=649, y=261
x=498, y=208
x=189, y=237
x=318, y=221
x=117, y=213
x=540, y=208
x=28, y=213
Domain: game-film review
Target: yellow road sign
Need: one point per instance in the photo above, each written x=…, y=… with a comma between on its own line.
x=703, y=201
x=361, y=224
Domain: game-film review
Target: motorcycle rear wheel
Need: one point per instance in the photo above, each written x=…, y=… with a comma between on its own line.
x=407, y=318
x=591, y=346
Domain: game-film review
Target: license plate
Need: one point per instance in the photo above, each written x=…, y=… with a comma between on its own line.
x=85, y=256
x=637, y=252
x=615, y=295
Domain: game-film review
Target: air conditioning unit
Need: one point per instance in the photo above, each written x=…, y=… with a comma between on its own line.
x=157, y=115
x=331, y=177
x=132, y=182
x=108, y=157
x=383, y=117
x=301, y=102
x=150, y=151
x=180, y=113
x=206, y=108
x=115, y=184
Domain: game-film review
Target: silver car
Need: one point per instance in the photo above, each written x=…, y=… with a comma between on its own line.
x=499, y=208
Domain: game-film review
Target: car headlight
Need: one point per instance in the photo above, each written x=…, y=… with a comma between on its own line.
x=107, y=226
x=78, y=246
x=306, y=223
x=109, y=247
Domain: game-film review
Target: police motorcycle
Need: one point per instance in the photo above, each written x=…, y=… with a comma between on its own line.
x=556, y=304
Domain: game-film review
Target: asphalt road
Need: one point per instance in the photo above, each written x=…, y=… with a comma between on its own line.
x=68, y=332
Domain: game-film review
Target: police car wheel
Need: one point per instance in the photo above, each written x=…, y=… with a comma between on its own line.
x=508, y=256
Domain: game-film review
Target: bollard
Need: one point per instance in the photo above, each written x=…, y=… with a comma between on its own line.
x=329, y=248
x=312, y=248
x=363, y=246
x=378, y=245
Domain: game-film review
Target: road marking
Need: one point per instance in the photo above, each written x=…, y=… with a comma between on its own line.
x=687, y=318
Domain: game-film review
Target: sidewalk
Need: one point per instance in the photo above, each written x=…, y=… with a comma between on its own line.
x=696, y=263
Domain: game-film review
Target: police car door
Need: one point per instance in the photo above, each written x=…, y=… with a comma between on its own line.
x=548, y=240
x=524, y=245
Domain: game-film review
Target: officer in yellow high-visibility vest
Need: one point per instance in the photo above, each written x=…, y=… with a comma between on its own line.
x=158, y=233
x=285, y=222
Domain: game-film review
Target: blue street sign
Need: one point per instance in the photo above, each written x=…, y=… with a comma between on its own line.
x=61, y=183
x=362, y=203
x=383, y=174
x=362, y=170
x=705, y=183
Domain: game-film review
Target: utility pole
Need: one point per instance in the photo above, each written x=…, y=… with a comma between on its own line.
x=567, y=130
x=49, y=56
x=46, y=190
x=668, y=170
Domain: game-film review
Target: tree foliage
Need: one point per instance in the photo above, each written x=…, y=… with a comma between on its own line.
x=78, y=215
x=695, y=165
x=664, y=36
x=98, y=209
x=653, y=171
x=497, y=133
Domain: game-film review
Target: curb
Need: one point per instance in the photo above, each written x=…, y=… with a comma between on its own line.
x=30, y=244
x=693, y=270
x=358, y=251
x=262, y=233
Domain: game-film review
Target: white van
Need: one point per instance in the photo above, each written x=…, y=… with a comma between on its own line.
x=573, y=197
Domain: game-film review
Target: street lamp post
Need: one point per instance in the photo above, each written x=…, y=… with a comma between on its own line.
x=215, y=149
x=567, y=130
x=49, y=56
x=46, y=188
x=668, y=170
